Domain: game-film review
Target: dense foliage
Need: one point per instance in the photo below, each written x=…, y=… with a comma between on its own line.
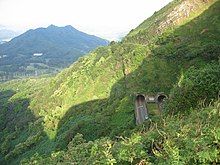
x=192, y=139
x=85, y=114
x=196, y=86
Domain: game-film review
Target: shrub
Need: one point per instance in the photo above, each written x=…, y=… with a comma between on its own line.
x=195, y=86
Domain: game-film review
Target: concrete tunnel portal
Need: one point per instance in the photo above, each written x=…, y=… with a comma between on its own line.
x=160, y=98
x=141, y=105
x=141, y=112
x=160, y=101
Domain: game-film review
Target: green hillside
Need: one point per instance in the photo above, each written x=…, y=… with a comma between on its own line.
x=44, y=51
x=85, y=115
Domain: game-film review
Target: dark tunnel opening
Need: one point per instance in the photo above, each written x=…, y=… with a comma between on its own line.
x=160, y=98
x=160, y=101
x=140, y=99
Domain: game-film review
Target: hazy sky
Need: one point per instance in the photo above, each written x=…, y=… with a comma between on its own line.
x=105, y=18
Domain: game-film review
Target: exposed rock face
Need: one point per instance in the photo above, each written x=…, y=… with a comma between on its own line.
x=174, y=14
x=180, y=13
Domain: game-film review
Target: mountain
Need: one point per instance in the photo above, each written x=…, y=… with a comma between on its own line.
x=86, y=113
x=45, y=50
x=6, y=34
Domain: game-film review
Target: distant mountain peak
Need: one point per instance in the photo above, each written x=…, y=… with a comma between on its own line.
x=70, y=27
x=52, y=26
x=67, y=27
x=53, y=46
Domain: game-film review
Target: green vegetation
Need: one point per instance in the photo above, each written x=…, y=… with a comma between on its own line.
x=85, y=114
x=44, y=51
x=191, y=139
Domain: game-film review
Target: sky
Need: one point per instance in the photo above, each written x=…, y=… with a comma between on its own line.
x=109, y=19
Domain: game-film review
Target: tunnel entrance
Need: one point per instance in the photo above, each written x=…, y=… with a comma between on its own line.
x=160, y=101
x=148, y=104
x=141, y=112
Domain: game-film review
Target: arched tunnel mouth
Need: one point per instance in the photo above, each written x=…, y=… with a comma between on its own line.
x=140, y=98
x=161, y=97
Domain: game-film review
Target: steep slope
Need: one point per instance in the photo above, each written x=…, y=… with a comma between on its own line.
x=95, y=97
x=171, y=16
x=45, y=50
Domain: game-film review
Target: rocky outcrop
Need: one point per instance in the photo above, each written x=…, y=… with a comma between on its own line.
x=181, y=12
x=176, y=13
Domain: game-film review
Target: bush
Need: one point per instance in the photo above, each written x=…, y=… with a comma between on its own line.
x=194, y=87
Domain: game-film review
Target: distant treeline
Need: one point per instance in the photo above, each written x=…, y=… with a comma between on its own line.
x=16, y=75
